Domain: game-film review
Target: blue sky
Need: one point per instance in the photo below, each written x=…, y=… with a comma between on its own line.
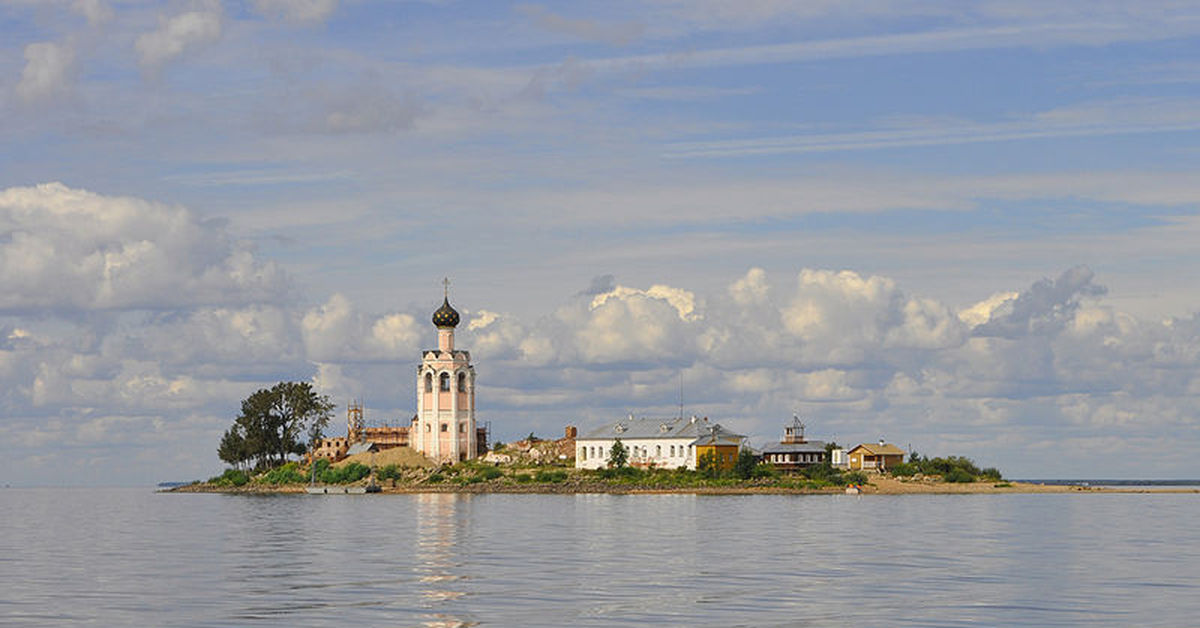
x=968, y=228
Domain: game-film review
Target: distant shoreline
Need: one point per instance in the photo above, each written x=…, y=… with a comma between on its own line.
x=879, y=485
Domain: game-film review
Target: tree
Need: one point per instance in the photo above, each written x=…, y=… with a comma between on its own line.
x=708, y=465
x=746, y=462
x=618, y=456
x=272, y=423
x=233, y=447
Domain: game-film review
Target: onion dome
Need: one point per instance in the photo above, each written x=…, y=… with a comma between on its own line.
x=446, y=316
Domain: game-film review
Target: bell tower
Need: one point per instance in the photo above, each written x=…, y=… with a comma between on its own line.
x=444, y=427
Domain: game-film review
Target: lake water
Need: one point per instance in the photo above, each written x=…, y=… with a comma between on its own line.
x=131, y=557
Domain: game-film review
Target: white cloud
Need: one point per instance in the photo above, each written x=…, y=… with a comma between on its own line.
x=338, y=332
x=48, y=71
x=64, y=248
x=178, y=34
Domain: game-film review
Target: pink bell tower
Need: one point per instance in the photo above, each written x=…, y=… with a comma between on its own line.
x=444, y=428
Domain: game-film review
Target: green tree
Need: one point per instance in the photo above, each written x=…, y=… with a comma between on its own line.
x=708, y=465
x=272, y=423
x=233, y=447
x=746, y=462
x=618, y=456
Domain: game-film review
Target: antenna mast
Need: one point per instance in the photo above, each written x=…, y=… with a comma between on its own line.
x=681, y=394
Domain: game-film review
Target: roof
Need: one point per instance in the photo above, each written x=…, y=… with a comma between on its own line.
x=359, y=448
x=643, y=428
x=719, y=438
x=810, y=447
x=876, y=449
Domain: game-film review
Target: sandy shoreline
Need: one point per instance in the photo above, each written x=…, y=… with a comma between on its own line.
x=879, y=485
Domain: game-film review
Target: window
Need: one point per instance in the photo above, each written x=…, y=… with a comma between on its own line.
x=672, y=451
x=427, y=427
x=658, y=451
x=429, y=382
x=462, y=382
x=462, y=428
x=445, y=427
x=583, y=453
x=444, y=379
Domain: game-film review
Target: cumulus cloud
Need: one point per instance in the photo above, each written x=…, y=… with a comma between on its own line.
x=856, y=354
x=48, y=71
x=1046, y=307
x=176, y=35
x=70, y=249
x=338, y=332
x=297, y=10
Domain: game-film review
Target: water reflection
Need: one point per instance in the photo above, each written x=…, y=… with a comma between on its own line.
x=440, y=528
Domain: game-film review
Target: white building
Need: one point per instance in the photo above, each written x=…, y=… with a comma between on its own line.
x=664, y=443
x=444, y=427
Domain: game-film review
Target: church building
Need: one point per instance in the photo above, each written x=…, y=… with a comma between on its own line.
x=444, y=428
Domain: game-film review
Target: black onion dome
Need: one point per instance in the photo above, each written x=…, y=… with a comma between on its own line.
x=446, y=316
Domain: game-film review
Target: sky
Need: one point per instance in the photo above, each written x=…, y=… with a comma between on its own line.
x=966, y=228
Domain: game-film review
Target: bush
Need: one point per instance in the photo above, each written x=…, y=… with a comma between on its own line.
x=854, y=477
x=765, y=470
x=285, y=474
x=991, y=474
x=435, y=478
x=390, y=472
x=958, y=475
x=550, y=477
x=352, y=472
x=231, y=477
x=523, y=478
x=489, y=473
x=904, y=469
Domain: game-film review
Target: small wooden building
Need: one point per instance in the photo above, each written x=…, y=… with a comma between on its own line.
x=724, y=446
x=794, y=452
x=879, y=457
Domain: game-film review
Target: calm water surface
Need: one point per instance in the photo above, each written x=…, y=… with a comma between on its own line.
x=113, y=557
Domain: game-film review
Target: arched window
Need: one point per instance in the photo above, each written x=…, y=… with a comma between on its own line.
x=444, y=380
x=658, y=451
x=429, y=382
x=462, y=382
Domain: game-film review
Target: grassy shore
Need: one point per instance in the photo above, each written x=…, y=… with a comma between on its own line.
x=557, y=480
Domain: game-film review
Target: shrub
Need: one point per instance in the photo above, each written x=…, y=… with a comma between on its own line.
x=352, y=472
x=765, y=470
x=550, y=477
x=904, y=469
x=958, y=475
x=991, y=474
x=489, y=473
x=854, y=477
x=231, y=477
x=390, y=472
x=284, y=474
x=435, y=478
x=523, y=478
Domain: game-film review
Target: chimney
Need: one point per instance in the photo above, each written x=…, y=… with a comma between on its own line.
x=572, y=431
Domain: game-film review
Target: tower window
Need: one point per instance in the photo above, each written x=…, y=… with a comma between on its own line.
x=445, y=427
x=429, y=382
x=462, y=382
x=444, y=379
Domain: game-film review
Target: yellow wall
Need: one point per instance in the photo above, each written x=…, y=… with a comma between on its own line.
x=726, y=455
